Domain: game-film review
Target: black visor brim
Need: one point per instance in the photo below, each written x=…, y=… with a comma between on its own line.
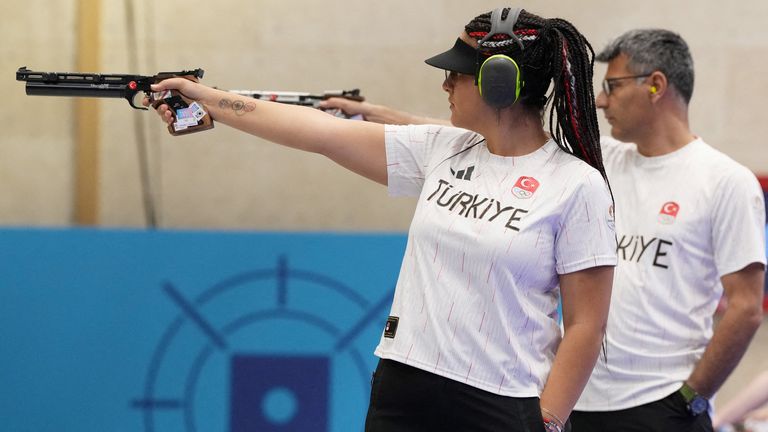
x=462, y=58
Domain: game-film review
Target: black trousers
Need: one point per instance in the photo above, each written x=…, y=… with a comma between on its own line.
x=407, y=399
x=665, y=415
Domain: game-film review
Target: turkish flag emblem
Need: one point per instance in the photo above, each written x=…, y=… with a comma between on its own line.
x=668, y=213
x=525, y=187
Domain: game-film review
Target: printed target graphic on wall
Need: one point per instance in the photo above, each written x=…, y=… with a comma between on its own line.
x=276, y=349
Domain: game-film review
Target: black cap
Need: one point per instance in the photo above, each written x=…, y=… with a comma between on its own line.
x=462, y=58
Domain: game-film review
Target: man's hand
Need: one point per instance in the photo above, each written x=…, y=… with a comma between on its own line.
x=378, y=113
x=352, y=108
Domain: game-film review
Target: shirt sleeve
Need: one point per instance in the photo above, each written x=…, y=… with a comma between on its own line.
x=413, y=149
x=586, y=235
x=407, y=154
x=738, y=222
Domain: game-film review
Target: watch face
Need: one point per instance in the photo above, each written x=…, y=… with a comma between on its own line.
x=698, y=405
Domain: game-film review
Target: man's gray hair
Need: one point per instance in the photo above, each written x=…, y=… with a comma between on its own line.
x=651, y=50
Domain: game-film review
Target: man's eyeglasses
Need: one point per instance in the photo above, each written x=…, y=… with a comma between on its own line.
x=610, y=83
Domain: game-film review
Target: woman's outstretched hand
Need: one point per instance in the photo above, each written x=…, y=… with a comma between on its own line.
x=188, y=89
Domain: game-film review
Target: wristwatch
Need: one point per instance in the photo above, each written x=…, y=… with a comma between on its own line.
x=694, y=402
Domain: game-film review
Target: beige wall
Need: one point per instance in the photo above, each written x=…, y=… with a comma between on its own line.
x=222, y=179
x=226, y=180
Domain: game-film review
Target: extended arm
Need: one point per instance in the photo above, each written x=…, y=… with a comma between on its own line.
x=357, y=146
x=379, y=113
x=586, y=295
x=744, y=291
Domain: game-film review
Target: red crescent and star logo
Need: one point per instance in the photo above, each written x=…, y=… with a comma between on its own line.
x=668, y=213
x=525, y=187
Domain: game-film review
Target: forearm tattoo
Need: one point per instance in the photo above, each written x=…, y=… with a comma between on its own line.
x=238, y=106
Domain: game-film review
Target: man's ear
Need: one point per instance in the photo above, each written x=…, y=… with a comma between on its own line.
x=658, y=85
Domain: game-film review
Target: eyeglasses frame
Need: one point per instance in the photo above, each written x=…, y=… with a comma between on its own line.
x=607, y=82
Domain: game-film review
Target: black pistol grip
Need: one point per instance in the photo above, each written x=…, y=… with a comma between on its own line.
x=189, y=116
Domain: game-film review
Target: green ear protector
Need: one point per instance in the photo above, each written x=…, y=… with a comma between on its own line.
x=498, y=76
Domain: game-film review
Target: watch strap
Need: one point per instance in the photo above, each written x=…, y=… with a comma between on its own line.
x=688, y=392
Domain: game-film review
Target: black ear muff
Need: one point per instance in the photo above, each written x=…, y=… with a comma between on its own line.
x=499, y=81
x=498, y=77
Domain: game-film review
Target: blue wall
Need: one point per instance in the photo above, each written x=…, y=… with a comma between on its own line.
x=190, y=331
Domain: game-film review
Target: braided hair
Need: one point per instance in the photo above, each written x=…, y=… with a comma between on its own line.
x=554, y=53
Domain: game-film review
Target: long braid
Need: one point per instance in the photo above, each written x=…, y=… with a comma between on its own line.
x=574, y=103
x=555, y=52
x=573, y=96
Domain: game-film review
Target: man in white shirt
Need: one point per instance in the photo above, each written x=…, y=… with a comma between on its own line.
x=690, y=223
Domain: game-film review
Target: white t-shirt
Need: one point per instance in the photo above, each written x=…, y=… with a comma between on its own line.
x=683, y=221
x=476, y=299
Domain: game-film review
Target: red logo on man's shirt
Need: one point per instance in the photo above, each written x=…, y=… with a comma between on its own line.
x=668, y=213
x=525, y=187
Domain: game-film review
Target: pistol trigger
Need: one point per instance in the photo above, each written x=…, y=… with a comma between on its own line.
x=137, y=107
x=131, y=98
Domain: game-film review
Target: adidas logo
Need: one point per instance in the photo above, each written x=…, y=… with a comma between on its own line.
x=465, y=174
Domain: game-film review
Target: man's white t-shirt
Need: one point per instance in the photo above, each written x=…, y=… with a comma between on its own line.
x=683, y=221
x=476, y=300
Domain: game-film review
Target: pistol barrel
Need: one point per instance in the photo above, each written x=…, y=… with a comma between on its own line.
x=74, y=89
